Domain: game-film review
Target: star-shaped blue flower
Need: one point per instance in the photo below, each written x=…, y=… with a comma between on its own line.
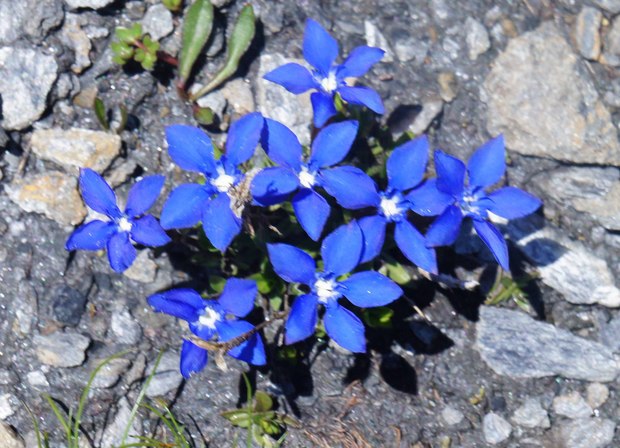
x=275, y=184
x=122, y=228
x=341, y=251
x=321, y=50
x=212, y=203
x=214, y=318
x=469, y=198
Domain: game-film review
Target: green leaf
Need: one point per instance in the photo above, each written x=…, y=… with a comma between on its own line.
x=217, y=283
x=101, y=113
x=398, y=273
x=378, y=317
x=204, y=115
x=173, y=5
x=263, y=401
x=122, y=50
x=129, y=35
x=196, y=30
x=239, y=42
x=238, y=417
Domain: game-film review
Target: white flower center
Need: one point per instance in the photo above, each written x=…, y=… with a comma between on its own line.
x=223, y=181
x=306, y=178
x=124, y=224
x=330, y=83
x=209, y=318
x=389, y=207
x=467, y=204
x=325, y=289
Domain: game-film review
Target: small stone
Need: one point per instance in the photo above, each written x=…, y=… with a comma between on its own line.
x=6, y=410
x=37, y=379
x=447, y=86
x=157, y=22
x=75, y=38
x=495, y=428
x=605, y=209
x=586, y=433
x=92, y=4
x=587, y=32
x=76, y=148
x=612, y=6
x=451, y=416
x=531, y=415
x=239, y=96
x=9, y=438
x=27, y=78
x=609, y=334
x=86, y=97
x=120, y=172
x=213, y=100
x=125, y=328
x=167, y=378
x=572, y=406
x=61, y=349
x=114, y=430
x=53, y=194
x=477, y=38
x=407, y=47
x=68, y=305
x=144, y=269
x=596, y=395
x=430, y=109
x=611, y=55
x=374, y=38
x=515, y=345
x=110, y=374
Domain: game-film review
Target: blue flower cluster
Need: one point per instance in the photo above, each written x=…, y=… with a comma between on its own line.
x=218, y=200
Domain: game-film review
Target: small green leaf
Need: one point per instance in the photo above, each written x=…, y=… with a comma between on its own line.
x=378, y=317
x=238, y=417
x=122, y=50
x=129, y=35
x=173, y=5
x=204, y=115
x=196, y=31
x=123, y=121
x=101, y=113
x=398, y=273
x=263, y=401
x=239, y=42
x=217, y=283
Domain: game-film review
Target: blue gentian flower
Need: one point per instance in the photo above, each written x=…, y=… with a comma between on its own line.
x=275, y=184
x=469, y=198
x=321, y=50
x=124, y=227
x=341, y=251
x=214, y=318
x=212, y=203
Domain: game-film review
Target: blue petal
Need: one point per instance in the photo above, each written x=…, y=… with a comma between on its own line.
x=359, y=61
x=273, y=185
x=350, y=186
x=238, y=296
x=193, y=358
x=293, y=77
x=322, y=107
x=362, y=96
x=320, y=49
x=487, y=165
x=369, y=288
x=202, y=331
x=342, y=249
x=333, y=143
x=97, y=193
x=143, y=195
x=121, y=252
x=91, y=236
x=291, y=264
x=413, y=246
x=373, y=230
x=445, y=229
x=511, y=203
x=407, y=164
x=345, y=328
x=301, y=320
x=494, y=240
x=281, y=144
x=148, y=232
x=243, y=136
x=252, y=350
x=184, y=206
x=219, y=222
x=450, y=174
x=190, y=148
x=183, y=303
x=312, y=211
x=428, y=200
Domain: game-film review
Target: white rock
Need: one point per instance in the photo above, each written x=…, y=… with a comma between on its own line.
x=6, y=410
x=477, y=38
x=495, y=428
x=572, y=406
x=597, y=394
x=531, y=415
x=61, y=349
x=92, y=4
x=374, y=38
x=157, y=22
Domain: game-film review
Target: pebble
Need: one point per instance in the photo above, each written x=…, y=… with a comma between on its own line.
x=238, y=94
x=448, y=87
x=158, y=22
x=609, y=334
x=214, y=100
x=451, y=416
x=495, y=428
x=92, y=4
x=531, y=414
x=53, y=194
x=587, y=32
x=407, y=47
x=28, y=18
x=144, y=269
x=477, y=38
x=572, y=406
x=374, y=38
x=68, y=305
x=611, y=54
x=612, y=6
x=27, y=77
x=596, y=395
x=430, y=109
x=167, y=377
x=586, y=433
x=37, y=379
x=111, y=373
x=515, y=345
x=9, y=438
x=114, y=430
x=6, y=410
x=61, y=349
x=125, y=328
x=76, y=38
x=76, y=148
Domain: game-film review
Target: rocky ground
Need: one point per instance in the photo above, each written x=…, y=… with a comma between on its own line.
x=545, y=73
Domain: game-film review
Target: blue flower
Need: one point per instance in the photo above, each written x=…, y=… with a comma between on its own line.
x=118, y=233
x=321, y=50
x=341, y=251
x=214, y=202
x=210, y=318
x=469, y=198
x=275, y=184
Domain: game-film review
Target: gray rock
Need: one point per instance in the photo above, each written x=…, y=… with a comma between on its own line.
x=543, y=101
x=214, y=100
x=566, y=185
x=495, y=428
x=587, y=32
x=531, y=415
x=76, y=148
x=27, y=77
x=30, y=18
x=167, y=377
x=76, y=38
x=407, y=47
x=144, y=269
x=605, y=209
x=114, y=430
x=565, y=265
x=125, y=327
x=572, y=406
x=239, y=96
x=451, y=416
x=6, y=410
x=375, y=38
x=609, y=334
x=61, y=349
x=612, y=6
x=37, y=379
x=9, y=438
x=515, y=345
x=477, y=38
x=92, y=4
x=68, y=305
x=611, y=54
x=430, y=109
x=597, y=394
x=586, y=433
x=111, y=373
x=448, y=86
x=157, y=22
